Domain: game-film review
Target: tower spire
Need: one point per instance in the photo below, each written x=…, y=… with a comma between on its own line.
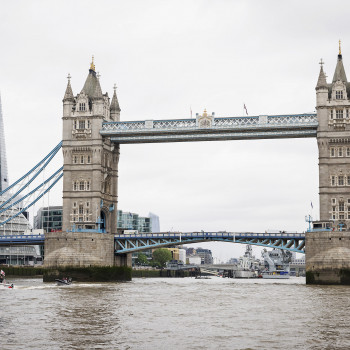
x=114, y=108
x=339, y=73
x=322, y=81
x=92, y=65
x=68, y=96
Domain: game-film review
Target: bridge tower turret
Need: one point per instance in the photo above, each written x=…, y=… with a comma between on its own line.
x=328, y=249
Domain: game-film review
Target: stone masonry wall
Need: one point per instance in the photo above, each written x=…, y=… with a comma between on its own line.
x=78, y=249
x=328, y=257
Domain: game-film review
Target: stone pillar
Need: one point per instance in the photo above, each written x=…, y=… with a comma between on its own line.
x=123, y=260
x=327, y=257
x=79, y=249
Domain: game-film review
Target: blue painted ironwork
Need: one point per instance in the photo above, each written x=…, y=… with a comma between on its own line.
x=34, y=201
x=46, y=160
x=129, y=243
x=22, y=240
x=256, y=127
x=294, y=242
x=92, y=230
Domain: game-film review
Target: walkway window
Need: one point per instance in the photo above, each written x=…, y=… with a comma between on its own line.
x=339, y=95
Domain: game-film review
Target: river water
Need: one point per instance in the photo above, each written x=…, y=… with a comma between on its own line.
x=175, y=313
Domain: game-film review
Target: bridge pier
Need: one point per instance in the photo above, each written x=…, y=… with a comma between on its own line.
x=78, y=249
x=328, y=257
x=123, y=260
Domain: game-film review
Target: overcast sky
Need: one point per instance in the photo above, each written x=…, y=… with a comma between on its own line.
x=168, y=57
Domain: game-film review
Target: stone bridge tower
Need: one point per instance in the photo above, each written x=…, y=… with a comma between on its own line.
x=90, y=173
x=90, y=160
x=328, y=250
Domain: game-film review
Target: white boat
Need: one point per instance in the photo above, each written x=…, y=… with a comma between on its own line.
x=3, y=281
x=66, y=281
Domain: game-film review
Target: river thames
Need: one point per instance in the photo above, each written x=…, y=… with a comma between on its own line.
x=174, y=313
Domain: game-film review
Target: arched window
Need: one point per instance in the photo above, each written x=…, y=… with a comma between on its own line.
x=81, y=186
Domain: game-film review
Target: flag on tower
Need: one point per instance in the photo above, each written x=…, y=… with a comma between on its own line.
x=245, y=109
x=312, y=205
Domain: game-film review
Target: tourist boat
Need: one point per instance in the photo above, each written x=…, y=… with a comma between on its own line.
x=276, y=264
x=65, y=281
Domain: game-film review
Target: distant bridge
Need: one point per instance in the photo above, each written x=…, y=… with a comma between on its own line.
x=131, y=243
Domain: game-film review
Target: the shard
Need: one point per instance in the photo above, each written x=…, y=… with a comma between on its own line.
x=3, y=160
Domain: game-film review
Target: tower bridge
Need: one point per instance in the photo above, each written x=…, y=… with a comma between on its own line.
x=93, y=131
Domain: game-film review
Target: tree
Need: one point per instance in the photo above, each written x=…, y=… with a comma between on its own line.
x=141, y=259
x=161, y=256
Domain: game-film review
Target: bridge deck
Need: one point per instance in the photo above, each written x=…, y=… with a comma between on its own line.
x=125, y=243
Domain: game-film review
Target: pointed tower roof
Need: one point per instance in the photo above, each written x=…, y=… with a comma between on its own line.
x=68, y=95
x=322, y=81
x=92, y=87
x=115, y=104
x=339, y=73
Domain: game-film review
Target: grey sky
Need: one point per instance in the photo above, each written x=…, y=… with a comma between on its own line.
x=167, y=57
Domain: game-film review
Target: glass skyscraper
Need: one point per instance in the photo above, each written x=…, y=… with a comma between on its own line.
x=3, y=160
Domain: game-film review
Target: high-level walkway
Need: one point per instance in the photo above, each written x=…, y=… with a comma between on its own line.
x=235, y=128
